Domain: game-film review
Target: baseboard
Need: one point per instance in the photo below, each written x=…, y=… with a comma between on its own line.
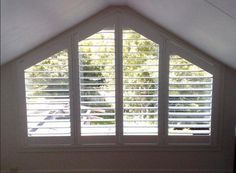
x=124, y=171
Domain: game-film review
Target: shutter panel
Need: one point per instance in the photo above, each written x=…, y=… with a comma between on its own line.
x=97, y=84
x=190, y=98
x=140, y=84
x=47, y=97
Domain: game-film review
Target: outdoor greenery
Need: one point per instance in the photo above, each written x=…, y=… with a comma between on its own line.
x=50, y=77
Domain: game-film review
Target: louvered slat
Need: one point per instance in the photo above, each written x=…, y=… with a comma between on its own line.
x=97, y=84
x=140, y=84
x=190, y=98
x=47, y=97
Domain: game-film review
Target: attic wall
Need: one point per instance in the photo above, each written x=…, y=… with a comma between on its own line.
x=229, y=115
x=157, y=161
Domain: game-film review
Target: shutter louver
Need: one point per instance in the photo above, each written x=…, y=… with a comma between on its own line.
x=190, y=98
x=97, y=84
x=47, y=97
x=140, y=84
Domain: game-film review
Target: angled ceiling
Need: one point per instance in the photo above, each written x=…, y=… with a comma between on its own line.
x=209, y=25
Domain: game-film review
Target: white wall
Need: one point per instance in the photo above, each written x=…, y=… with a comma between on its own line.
x=158, y=161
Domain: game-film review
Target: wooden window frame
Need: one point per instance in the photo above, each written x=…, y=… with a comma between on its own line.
x=168, y=43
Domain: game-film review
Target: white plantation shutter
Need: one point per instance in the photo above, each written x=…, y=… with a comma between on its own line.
x=140, y=84
x=47, y=97
x=97, y=84
x=121, y=88
x=190, y=98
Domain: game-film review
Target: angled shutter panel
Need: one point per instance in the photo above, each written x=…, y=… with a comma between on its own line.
x=47, y=97
x=190, y=98
x=140, y=84
x=97, y=84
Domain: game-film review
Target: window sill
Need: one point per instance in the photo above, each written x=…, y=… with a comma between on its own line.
x=122, y=148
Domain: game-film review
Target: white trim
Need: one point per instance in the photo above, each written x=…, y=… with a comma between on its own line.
x=203, y=62
x=93, y=26
x=120, y=17
x=119, y=79
x=112, y=147
x=163, y=94
x=128, y=171
x=75, y=90
x=22, y=118
x=128, y=21
x=89, y=29
x=72, y=91
x=213, y=68
x=217, y=104
x=132, y=21
x=43, y=53
x=167, y=35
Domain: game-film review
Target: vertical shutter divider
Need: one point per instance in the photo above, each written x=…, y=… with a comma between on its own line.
x=163, y=93
x=190, y=99
x=119, y=79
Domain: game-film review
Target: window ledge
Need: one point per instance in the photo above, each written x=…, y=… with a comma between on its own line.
x=123, y=148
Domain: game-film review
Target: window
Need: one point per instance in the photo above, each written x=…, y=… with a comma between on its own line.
x=47, y=97
x=97, y=84
x=190, y=98
x=117, y=84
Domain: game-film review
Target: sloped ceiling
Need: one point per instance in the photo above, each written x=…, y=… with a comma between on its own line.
x=209, y=25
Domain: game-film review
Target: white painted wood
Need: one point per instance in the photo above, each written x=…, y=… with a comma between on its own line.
x=91, y=27
x=121, y=18
x=201, y=158
x=209, y=25
x=227, y=7
x=213, y=68
x=136, y=158
x=37, y=56
x=128, y=21
x=119, y=78
x=75, y=90
x=163, y=93
x=128, y=171
x=197, y=22
x=188, y=54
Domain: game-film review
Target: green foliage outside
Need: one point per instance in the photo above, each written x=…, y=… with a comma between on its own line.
x=97, y=67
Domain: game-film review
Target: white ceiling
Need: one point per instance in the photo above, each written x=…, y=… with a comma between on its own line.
x=209, y=25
